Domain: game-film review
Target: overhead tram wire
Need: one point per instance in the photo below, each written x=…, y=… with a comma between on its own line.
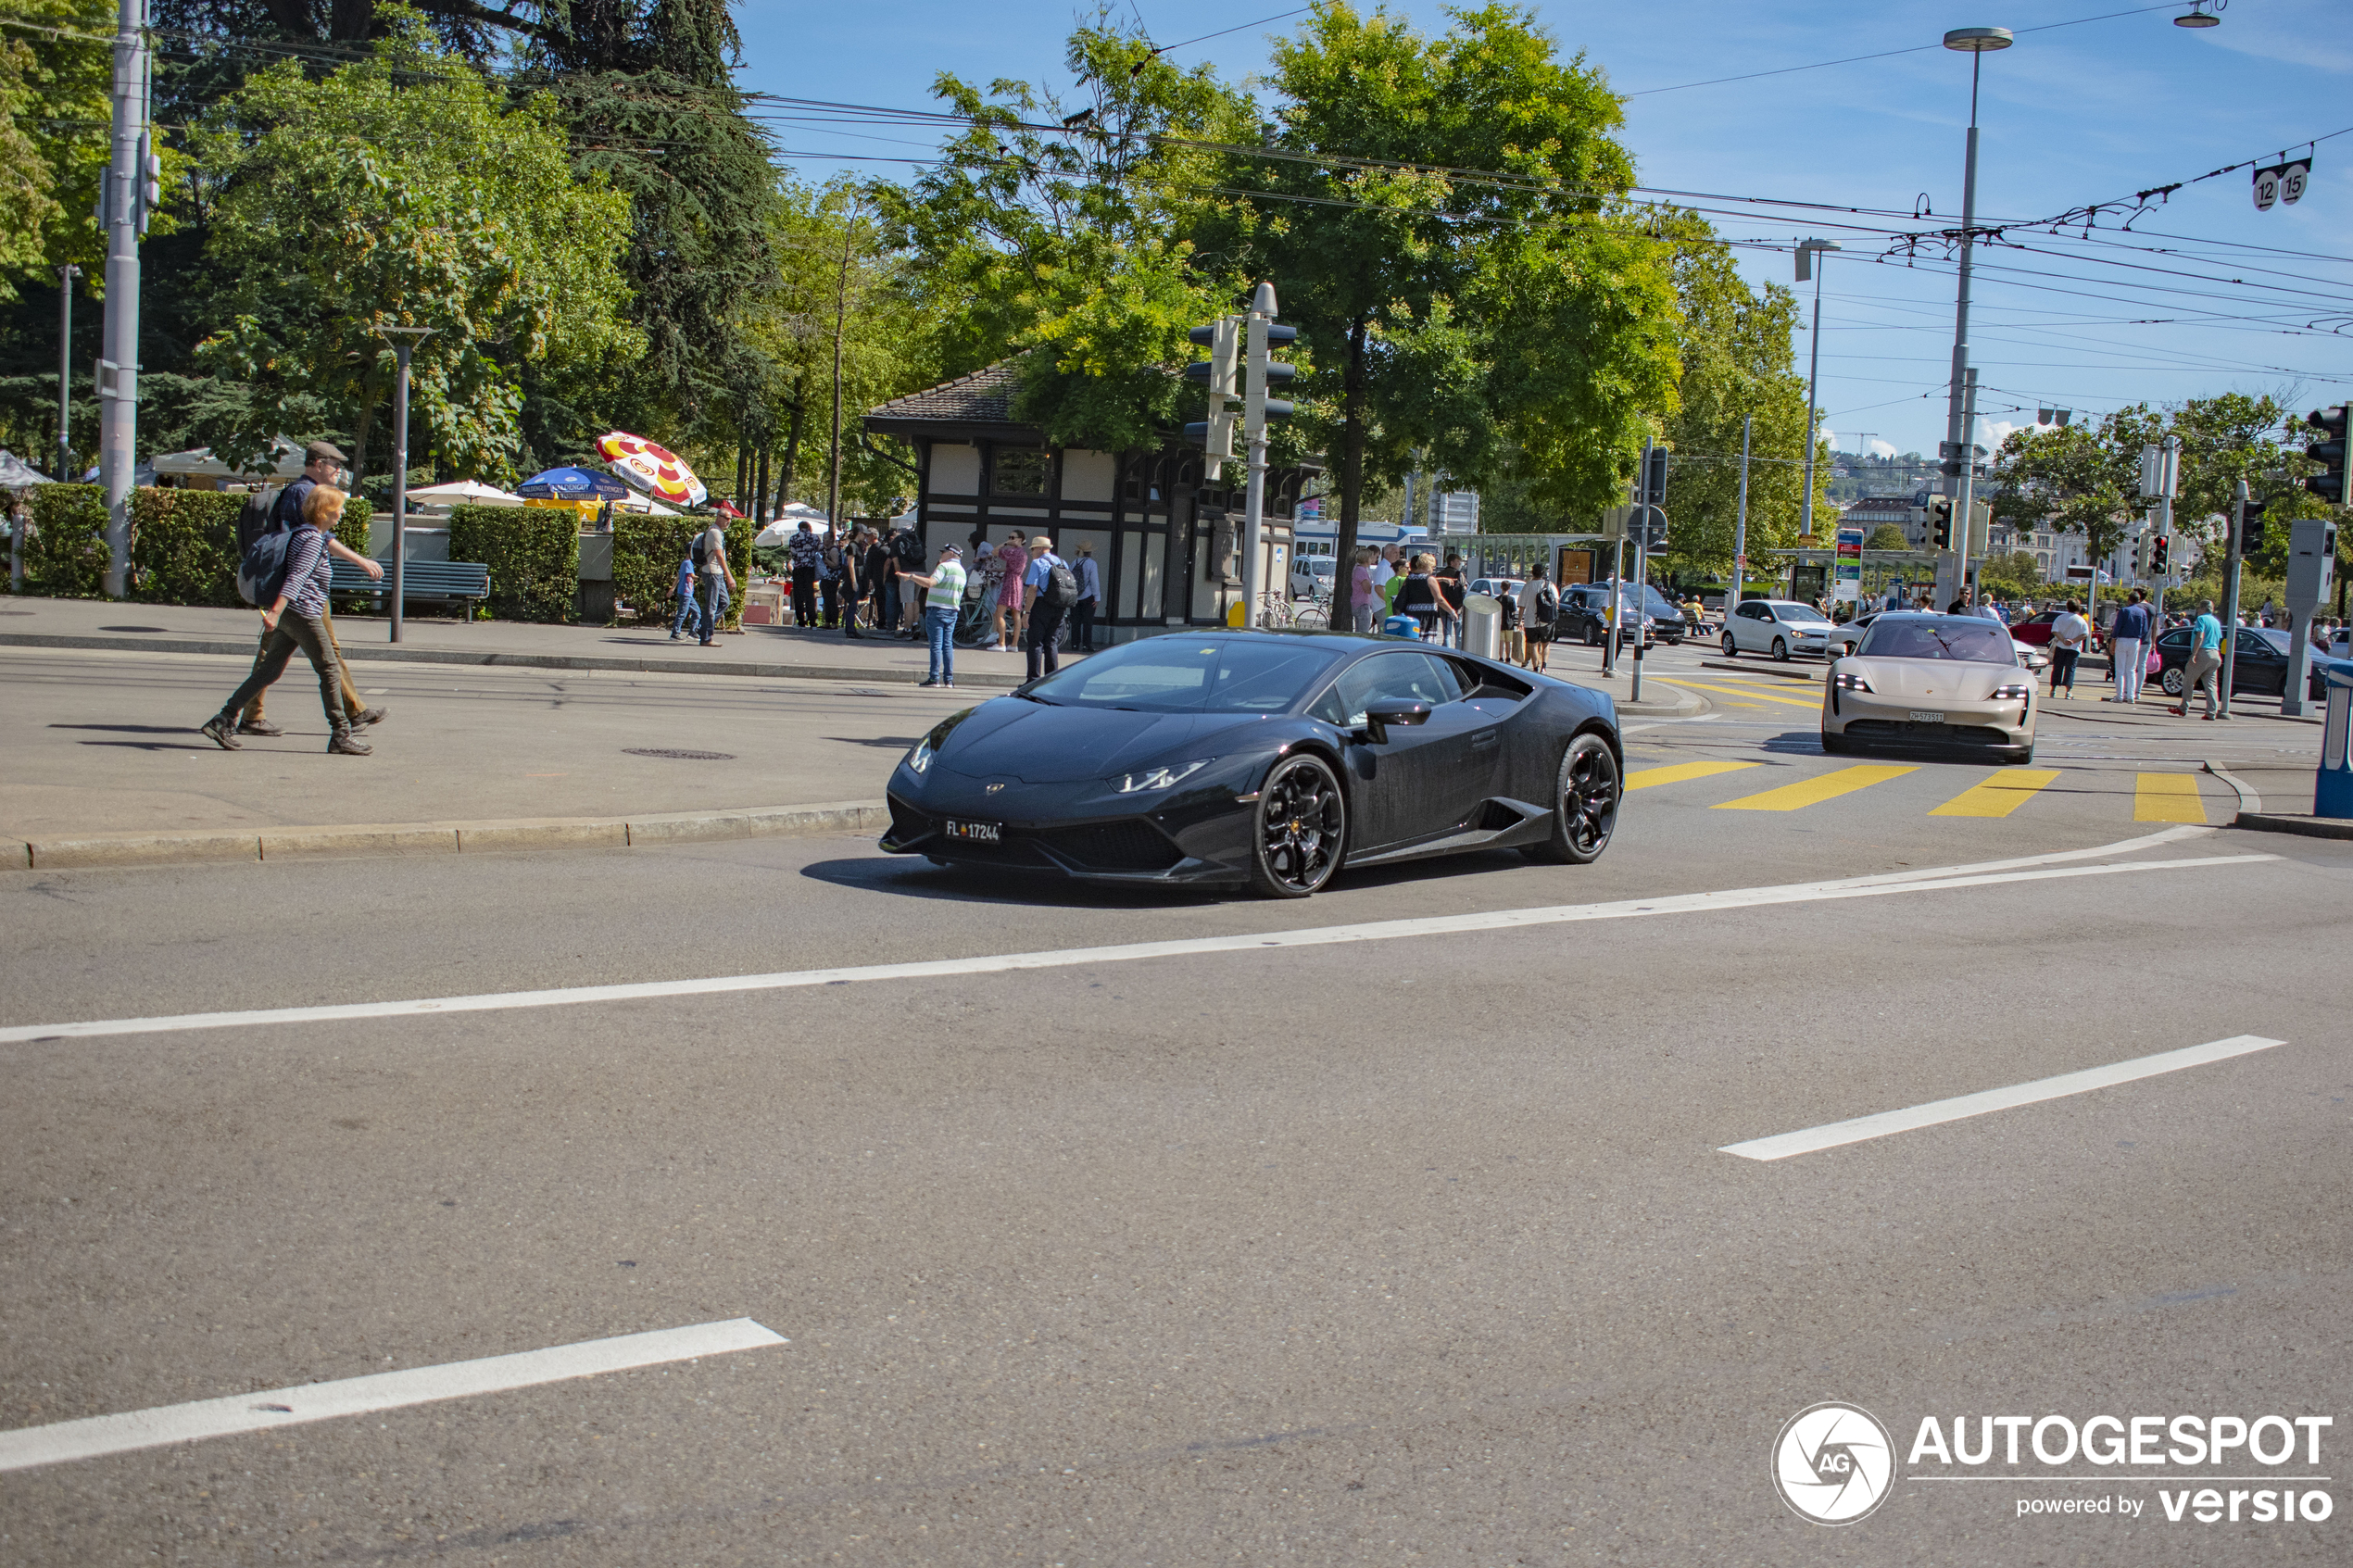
x=1892, y=54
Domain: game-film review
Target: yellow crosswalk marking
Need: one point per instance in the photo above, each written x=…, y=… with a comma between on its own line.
x=1997, y=796
x=1742, y=691
x=1821, y=788
x=2167, y=797
x=1643, y=778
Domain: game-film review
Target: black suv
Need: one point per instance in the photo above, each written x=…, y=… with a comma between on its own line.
x=1584, y=607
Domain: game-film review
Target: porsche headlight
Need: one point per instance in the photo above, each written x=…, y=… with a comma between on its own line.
x=1157, y=778
x=1850, y=683
x=2011, y=693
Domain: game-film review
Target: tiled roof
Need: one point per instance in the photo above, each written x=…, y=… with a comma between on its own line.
x=984, y=397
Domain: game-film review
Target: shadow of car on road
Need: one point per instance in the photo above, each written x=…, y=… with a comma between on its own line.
x=912, y=876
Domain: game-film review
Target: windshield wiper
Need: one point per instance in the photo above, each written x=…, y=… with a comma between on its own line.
x=1032, y=697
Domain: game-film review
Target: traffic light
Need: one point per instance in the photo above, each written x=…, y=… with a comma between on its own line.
x=2141, y=546
x=1261, y=372
x=2251, y=529
x=1940, y=521
x=2160, y=555
x=1215, y=435
x=2330, y=483
x=1654, y=479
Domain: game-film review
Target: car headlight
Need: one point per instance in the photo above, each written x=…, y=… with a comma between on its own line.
x=1157, y=778
x=1853, y=683
x=2014, y=692
x=919, y=760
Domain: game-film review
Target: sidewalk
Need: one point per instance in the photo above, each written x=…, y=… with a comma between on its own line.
x=765, y=652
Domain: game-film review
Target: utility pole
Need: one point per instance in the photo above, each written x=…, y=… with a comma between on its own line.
x=1740, y=527
x=2230, y=600
x=841, y=319
x=404, y=342
x=1959, y=418
x=66, y=275
x=122, y=213
x=1964, y=502
x=1806, y=267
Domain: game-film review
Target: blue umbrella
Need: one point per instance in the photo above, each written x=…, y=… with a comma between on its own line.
x=572, y=485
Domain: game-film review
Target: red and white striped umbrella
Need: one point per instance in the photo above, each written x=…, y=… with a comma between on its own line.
x=652, y=468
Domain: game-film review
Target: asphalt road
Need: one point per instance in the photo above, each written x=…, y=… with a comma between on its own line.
x=1393, y=1246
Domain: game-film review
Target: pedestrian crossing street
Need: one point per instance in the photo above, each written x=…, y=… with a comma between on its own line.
x=2157, y=797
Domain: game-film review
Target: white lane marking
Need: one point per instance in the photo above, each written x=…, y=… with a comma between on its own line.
x=1782, y=1146
x=1981, y=875
x=32, y=1446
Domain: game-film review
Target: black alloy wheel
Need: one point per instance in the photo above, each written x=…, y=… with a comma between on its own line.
x=1588, y=797
x=2171, y=681
x=1301, y=831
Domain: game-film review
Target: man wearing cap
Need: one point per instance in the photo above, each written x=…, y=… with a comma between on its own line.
x=942, y=588
x=322, y=464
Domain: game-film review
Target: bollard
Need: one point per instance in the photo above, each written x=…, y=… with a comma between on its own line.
x=1483, y=626
x=2332, y=787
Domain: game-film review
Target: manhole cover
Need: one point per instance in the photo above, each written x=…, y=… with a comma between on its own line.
x=679, y=755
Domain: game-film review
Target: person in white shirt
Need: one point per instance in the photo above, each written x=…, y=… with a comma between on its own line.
x=2070, y=634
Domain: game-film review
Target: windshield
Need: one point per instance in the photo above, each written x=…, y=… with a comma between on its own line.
x=1796, y=612
x=1189, y=674
x=1948, y=636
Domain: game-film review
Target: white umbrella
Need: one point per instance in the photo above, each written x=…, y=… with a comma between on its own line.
x=200, y=462
x=17, y=474
x=458, y=491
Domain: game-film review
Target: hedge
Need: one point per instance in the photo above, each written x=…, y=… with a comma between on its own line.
x=65, y=554
x=533, y=554
x=183, y=546
x=646, y=553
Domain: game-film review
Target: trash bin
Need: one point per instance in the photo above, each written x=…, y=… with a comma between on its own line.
x=1484, y=625
x=2332, y=787
x=1401, y=626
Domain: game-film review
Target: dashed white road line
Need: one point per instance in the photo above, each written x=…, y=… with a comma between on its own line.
x=1861, y=1128
x=32, y=1446
x=1987, y=873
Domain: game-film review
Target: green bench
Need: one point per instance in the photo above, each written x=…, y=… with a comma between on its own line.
x=445, y=580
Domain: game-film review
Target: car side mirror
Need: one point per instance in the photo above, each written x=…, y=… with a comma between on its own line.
x=1378, y=719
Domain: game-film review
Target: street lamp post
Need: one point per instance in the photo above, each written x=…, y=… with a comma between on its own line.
x=66, y=275
x=1806, y=267
x=1976, y=42
x=404, y=342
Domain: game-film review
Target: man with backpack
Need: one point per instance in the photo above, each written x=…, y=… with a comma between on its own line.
x=266, y=514
x=907, y=555
x=295, y=617
x=1048, y=590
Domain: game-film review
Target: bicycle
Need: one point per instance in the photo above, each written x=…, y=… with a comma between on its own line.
x=1277, y=612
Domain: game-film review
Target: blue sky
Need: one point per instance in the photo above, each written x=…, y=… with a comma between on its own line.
x=2242, y=300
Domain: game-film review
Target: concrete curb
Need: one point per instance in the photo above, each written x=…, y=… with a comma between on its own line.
x=2249, y=800
x=85, y=851
x=363, y=653
x=2308, y=827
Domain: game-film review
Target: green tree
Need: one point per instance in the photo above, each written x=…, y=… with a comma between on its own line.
x=54, y=138
x=1517, y=318
x=401, y=190
x=1069, y=246
x=1737, y=364
x=1887, y=536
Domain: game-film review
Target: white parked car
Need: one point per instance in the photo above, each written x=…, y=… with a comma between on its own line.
x=1311, y=577
x=1778, y=627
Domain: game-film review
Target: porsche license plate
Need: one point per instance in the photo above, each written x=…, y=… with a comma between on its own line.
x=1922, y=716
x=973, y=832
